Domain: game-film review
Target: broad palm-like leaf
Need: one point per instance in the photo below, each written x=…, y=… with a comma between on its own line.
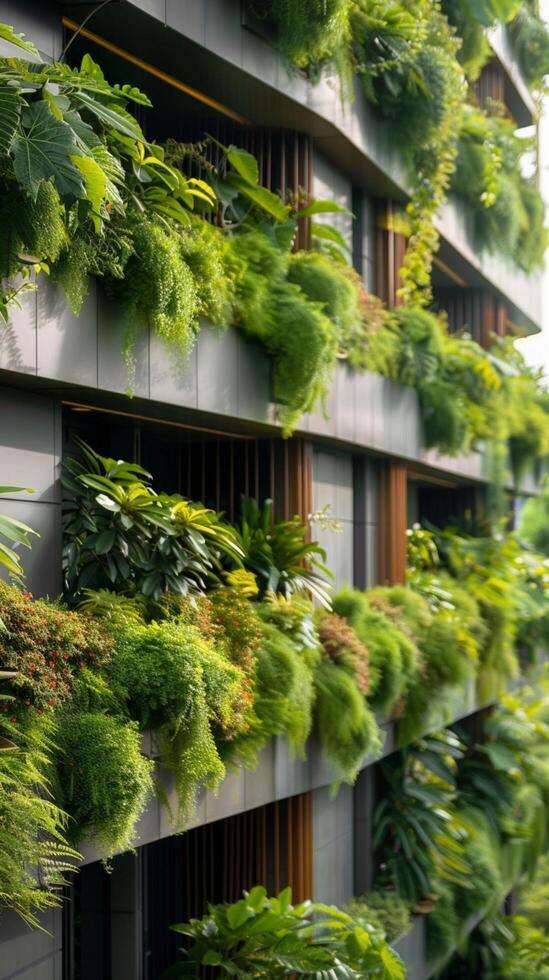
x=15, y=532
x=279, y=555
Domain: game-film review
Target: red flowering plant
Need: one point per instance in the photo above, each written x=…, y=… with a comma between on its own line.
x=47, y=646
x=240, y=626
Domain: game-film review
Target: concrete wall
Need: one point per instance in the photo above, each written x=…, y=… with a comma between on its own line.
x=333, y=486
x=39, y=21
x=30, y=454
x=31, y=954
x=225, y=375
x=333, y=846
x=329, y=183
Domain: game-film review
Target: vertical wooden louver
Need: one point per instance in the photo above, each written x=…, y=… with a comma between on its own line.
x=271, y=846
x=392, y=517
x=219, y=471
x=390, y=252
x=284, y=158
x=489, y=87
x=475, y=310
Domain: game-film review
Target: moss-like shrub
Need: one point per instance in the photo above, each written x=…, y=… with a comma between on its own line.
x=385, y=644
x=342, y=645
x=159, y=285
x=35, y=228
x=239, y=628
x=207, y=252
x=262, y=265
x=104, y=780
x=383, y=909
x=295, y=330
x=284, y=690
x=444, y=415
x=308, y=31
x=166, y=676
x=304, y=343
x=346, y=726
x=324, y=282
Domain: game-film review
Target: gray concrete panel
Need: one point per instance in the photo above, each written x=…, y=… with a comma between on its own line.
x=66, y=344
x=30, y=443
x=18, y=337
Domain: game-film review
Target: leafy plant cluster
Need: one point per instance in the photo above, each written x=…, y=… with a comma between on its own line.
x=414, y=61
x=82, y=193
x=508, y=210
x=467, y=395
x=230, y=651
x=461, y=820
x=269, y=937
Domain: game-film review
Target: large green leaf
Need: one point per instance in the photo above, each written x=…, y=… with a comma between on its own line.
x=10, y=111
x=7, y=33
x=112, y=117
x=260, y=196
x=43, y=149
x=96, y=186
x=245, y=164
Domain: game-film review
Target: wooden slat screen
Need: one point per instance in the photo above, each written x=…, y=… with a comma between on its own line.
x=271, y=846
x=284, y=157
x=476, y=311
x=489, y=88
x=390, y=252
x=392, y=517
x=218, y=472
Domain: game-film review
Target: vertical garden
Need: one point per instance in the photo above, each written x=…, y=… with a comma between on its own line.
x=208, y=636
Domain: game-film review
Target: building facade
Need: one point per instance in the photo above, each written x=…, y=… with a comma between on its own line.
x=208, y=430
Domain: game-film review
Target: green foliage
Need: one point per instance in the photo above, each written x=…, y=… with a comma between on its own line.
x=207, y=253
x=418, y=833
x=533, y=901
x=508, y=209
x=238, y=628
x=534, y=521
x=34, y=228
x=293, y=328
x=443, y=927
x=322, y=281
x=507, y=948
x=76, y=166
x=309, y=31
x=530, y=39
x=284, y=695
x=471, y=18
x=304, y=344
x=268, y=937
x=279, y=555
x=33, y=844
x=420, y=347
x=121, y=534
x=384, y=910
x=104, y=781
x=483, y=887
x=346, y=726
x=159, y=285
x=391, y=656
x=15, y=533
x=166, y=676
